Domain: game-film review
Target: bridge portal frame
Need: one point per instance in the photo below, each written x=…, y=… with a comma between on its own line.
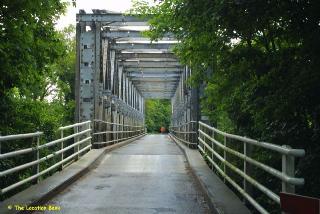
x=117, y=69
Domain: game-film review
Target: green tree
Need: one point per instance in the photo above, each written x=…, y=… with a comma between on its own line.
x=36, y=76
x=157, y=115
x=28, y=45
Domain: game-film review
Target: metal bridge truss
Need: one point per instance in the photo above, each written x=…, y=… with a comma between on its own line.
x=118, y=68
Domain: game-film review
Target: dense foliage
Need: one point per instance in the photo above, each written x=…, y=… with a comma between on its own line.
x=157, y=115
x=259, y=62
x=36, y=75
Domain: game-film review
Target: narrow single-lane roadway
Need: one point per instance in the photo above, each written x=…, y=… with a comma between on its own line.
x=149, y=175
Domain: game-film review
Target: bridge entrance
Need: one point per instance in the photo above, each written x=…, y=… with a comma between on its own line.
x=118, y=69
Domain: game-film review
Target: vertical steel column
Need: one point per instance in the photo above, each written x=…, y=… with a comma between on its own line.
x=97, y=65
x=120, y=82
x=85, y=71
x=132, y=96
x=127, y=91
x=112, y=70
x=77, y=73
x=105, y=65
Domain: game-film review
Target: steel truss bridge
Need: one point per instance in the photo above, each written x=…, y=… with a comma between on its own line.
x=117, y=69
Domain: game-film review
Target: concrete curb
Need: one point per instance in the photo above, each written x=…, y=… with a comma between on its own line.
x=44, y=191
x=220, y=198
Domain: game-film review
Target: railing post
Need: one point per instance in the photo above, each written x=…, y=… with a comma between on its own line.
x=131, y=127
x=184, y=132
x=195, y=127
x=288, y=169
x=112, y=129
x=38, y=157
x=106, y=129
x=0, y=154
x=128, y=127
x=212, y=167
x=224, y=157
x=194, y=133
x=89, y=133
x=76, y=139
x=189, y=132
x=245, y=165
x=61, y=145
x=247, y=150
x=117, y=127
x=212, y=146
x=134, y=128
x=205, y=140
x=124, y=129
x=199, y=134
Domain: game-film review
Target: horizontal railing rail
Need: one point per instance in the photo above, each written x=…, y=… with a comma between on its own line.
x=20, y=136
x=75, y=125
x=186, y=133
x=208, y=144
x=110, y=133
x=81, y=137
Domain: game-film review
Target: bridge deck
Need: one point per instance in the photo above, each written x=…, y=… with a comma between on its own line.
x=149, y=175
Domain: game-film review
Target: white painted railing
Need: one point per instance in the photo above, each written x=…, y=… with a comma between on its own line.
x=208, y=145
x=80, y=145
x=186, y=133
x=110, y=133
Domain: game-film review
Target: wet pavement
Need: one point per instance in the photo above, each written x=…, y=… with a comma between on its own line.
x=149, y=175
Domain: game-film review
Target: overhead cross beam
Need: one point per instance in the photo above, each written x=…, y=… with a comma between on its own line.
x=154, y=70
x=150, y=64
x=146, y=46
x=146, y=51
x=124, y=56
x=148, y=75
